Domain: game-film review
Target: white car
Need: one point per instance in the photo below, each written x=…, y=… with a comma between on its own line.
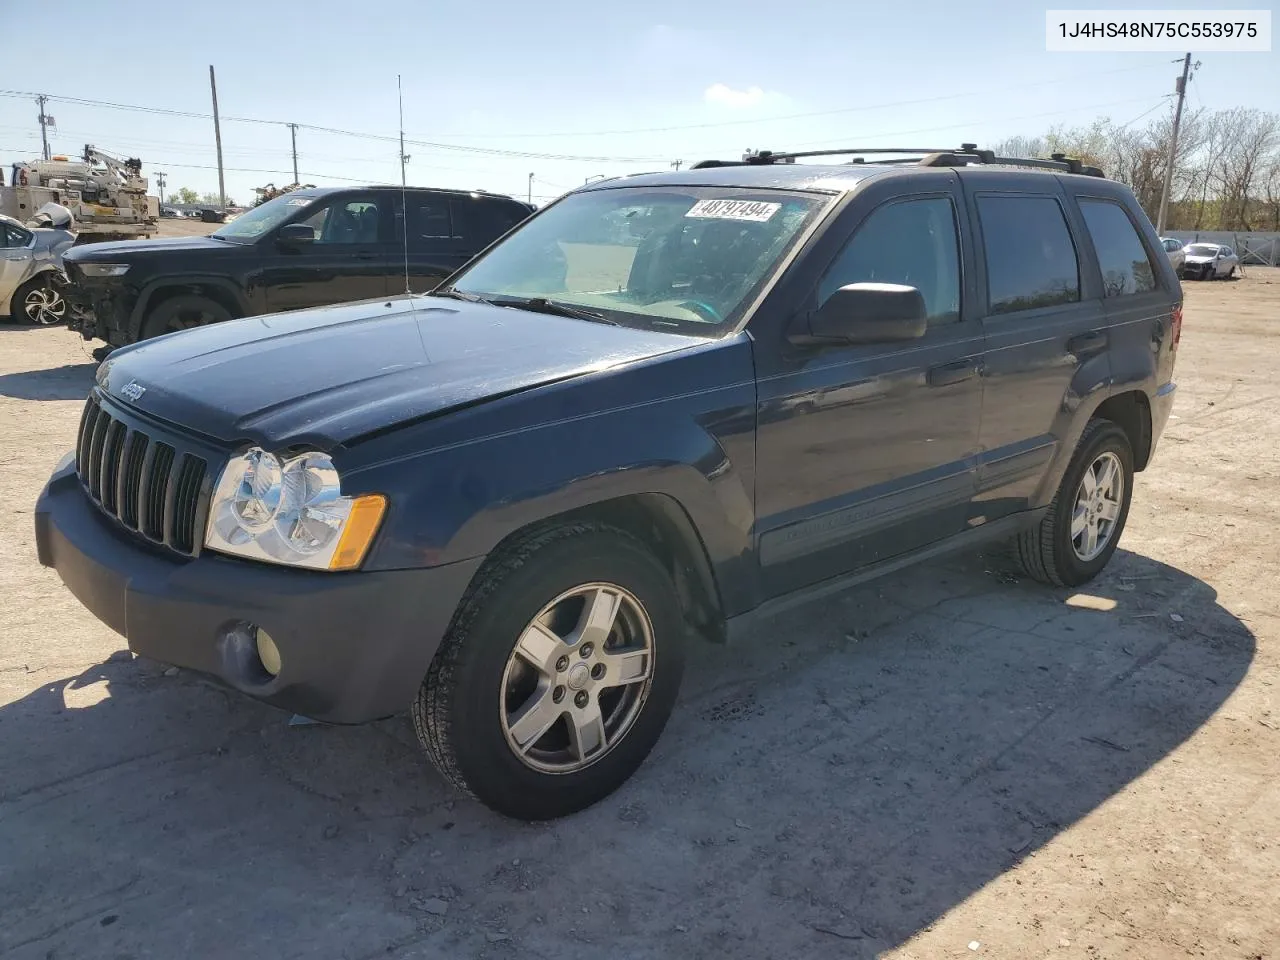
x=31, y=277
x=1173, y=248
x=1209, y=261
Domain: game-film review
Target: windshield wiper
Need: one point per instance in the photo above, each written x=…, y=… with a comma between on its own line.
x=458, y=295
x=556, y=308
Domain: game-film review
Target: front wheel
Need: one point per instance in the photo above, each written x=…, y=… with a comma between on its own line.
x=558, y=674
x=183, y=312
x=1078, y=535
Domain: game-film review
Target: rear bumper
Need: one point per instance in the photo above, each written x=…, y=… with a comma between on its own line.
x=354, y=646
x=1161, y=405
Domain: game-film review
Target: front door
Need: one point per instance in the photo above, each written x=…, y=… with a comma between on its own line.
x=866, y=452
x=348, y=260
x=15, y=262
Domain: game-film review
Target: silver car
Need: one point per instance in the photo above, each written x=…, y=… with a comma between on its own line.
x=1173, y=248
x=1209, y=261
x=31, y=277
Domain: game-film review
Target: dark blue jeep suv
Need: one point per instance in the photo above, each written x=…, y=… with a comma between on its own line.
x=662, y=406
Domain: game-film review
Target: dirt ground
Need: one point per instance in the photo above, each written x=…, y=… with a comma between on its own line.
x=950, y=763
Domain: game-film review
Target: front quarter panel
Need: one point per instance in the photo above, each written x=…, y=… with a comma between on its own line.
x=682, y=425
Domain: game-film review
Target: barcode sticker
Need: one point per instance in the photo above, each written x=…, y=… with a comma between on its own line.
x=753, y=210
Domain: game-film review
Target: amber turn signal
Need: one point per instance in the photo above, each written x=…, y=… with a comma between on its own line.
x=358, y=532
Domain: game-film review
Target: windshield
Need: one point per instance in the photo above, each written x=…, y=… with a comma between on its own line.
x=254, y=223
x=1202, y=250
x=685, y=258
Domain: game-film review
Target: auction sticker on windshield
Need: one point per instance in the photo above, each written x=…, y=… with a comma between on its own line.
x=753, y=210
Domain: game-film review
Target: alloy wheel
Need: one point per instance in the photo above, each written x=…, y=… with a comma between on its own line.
x=1099, y=499
x=44, y=305
x=577, y=679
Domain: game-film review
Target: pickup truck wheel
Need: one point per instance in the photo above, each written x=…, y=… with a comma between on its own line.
x=183, y=313
x=1078, y=535
x=558, y=673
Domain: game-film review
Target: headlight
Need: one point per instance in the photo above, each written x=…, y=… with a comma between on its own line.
x=104, y=269
x=291, y=512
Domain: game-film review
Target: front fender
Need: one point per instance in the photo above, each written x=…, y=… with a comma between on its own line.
x=148, y=291
x=460, y=500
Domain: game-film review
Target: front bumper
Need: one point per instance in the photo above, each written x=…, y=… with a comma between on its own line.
x=354, y=646
x=101, y=309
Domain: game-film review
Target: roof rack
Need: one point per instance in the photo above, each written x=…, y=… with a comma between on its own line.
x=966, y=154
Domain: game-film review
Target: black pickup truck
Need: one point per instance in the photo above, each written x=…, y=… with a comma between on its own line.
x=308, y=248
x=663, y=406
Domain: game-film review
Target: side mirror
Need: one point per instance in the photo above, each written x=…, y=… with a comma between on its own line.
x=870, y=313
x=296, y=235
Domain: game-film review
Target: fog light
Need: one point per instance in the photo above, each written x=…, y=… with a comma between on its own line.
x=268, y=653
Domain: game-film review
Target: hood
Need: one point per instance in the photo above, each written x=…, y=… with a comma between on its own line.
x=330, y=375
x=132, y=249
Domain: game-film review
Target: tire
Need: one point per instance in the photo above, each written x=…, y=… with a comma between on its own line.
x=1048, y=552
x=1231, y=274
x=469, y=706
x=40, y=301
x=183, y=312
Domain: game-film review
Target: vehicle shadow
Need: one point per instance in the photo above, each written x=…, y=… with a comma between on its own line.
x=827, y=788
x=71, y=381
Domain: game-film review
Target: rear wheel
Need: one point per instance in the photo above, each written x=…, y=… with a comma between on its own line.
x=557, y=675
x=40, y=301
x=1078, y=535
x=183, y=312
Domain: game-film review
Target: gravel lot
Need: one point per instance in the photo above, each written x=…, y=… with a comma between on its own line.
x=946, y=764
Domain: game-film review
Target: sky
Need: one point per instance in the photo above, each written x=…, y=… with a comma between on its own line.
x=591, y=89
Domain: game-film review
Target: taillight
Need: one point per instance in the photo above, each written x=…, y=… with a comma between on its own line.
x=1177, y=324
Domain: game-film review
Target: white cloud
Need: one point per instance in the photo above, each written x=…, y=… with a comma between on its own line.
x=724, y=95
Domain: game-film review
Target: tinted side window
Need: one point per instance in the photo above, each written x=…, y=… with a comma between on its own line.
x=429, y=219
x=350, y=221
x=480, y=222
x=914, y=242
x=1031, y=261
x=1123, y=259
x=11, y=236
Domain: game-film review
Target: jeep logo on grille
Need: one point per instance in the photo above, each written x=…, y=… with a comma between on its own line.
x=133, y=390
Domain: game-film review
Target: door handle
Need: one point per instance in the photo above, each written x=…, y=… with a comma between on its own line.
x=1090, y=342
x=949, y=373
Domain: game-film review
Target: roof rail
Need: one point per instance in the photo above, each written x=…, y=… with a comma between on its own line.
x=966, y=154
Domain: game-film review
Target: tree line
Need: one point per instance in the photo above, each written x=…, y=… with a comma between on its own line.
x=1226, y=175
x=185, y=196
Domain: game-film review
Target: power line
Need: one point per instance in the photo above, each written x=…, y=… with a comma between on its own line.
x=799, y=116
x=493, y=151
x=972, y=123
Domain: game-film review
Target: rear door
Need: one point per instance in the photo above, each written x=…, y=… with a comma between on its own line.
x=1045, y=329
x=349, y=259
x=435, y=249
x=866, y=452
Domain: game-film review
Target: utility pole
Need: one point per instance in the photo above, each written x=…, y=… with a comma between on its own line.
x=45, y=122
x=293, y=136
x=676, y=164
x=217, y=136
x=1173, y=145
x=531, y=189
x=160, y=175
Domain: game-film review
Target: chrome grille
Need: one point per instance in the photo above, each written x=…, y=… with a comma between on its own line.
x=149, y=485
